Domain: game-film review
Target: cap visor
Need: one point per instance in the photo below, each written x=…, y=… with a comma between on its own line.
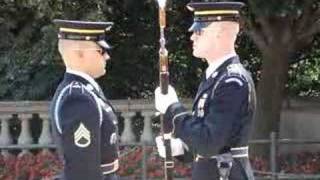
x=104, y=44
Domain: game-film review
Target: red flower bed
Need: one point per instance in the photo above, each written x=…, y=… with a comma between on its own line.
x=7, y=167
x=131, y=164
x=308, y=163
x=27, y=166
x=24, y=166
x=45, y=164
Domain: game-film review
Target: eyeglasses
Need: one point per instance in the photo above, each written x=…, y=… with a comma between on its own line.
x=101, y=51
x=198, y=32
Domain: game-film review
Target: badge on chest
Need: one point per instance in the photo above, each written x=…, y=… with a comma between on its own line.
x=201, y=104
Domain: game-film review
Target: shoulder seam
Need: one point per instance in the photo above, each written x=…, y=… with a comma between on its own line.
x=68, y=88
x=97, y=103
x=74, y=84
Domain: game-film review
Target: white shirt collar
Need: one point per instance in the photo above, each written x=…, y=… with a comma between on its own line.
x=213, y=66
x=84, y=76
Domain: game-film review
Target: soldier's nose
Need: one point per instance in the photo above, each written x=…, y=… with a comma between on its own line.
x=106, y=56
x=193, y=36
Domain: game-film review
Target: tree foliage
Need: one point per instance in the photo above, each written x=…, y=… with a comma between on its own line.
x=304, y=74
x=31, y=68
x=281, y=31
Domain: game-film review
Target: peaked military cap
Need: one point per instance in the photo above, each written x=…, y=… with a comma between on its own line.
x=84, y=31
x=207, y=12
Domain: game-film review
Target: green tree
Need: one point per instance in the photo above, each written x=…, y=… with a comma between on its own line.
x=280, y=29
x=304, y=75
x=31, y=66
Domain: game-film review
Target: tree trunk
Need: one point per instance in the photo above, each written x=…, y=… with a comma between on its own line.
x=270, y=93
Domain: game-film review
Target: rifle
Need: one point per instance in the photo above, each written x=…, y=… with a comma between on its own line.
x=164, y=83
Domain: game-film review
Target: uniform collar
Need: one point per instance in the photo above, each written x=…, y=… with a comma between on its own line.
x=84, y=76
x=213, y=66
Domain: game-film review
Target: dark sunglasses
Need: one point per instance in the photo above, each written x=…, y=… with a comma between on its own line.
x=102, y=51
x=198, y=32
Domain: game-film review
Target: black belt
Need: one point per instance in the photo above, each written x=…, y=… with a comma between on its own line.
x=237, y=152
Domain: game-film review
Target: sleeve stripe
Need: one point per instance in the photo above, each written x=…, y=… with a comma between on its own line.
x=56, y=108
x=175, y=117
x=234, y=80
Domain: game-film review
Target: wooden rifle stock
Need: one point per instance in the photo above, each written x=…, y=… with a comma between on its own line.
x=164, y=83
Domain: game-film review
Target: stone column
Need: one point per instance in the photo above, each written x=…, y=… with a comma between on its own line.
x=5, y=137
x=45, y=137
x=147, y=135
x=127, y=135
x=25, y=135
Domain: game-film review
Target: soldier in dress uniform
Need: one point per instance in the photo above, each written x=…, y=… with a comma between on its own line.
x=216, y=132
x=83, y=121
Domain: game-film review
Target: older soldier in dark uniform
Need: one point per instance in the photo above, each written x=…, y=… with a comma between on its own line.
x=217, y=130
x=84, y=122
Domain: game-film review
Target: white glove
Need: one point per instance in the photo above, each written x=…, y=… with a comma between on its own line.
x=177, y=146
x=163, y=101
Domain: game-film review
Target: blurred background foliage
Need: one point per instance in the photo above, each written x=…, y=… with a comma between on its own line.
x=31, y=68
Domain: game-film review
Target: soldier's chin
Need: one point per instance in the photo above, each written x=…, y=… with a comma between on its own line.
x=196, y=54
x=103, y=72
x=100, y=74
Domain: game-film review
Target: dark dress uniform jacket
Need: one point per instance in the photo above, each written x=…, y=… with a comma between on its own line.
x=222, y=114
x=84, y=129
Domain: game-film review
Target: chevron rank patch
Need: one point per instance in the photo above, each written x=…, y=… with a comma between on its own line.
x=82, y=136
